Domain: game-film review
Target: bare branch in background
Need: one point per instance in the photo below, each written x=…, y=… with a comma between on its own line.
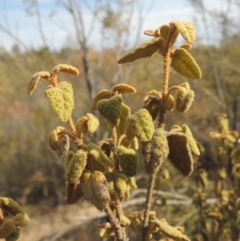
x=82, y=40
x=40, y=24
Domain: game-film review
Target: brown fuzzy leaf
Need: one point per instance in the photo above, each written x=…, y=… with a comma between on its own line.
x=74, y=192
x=35, y=79
x=103, y=94
x=65, y=68
x=144, y=50
x=123, y=89
x=169, y=230
x=180, y=153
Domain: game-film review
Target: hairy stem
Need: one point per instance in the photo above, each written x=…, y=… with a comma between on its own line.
x=115, y=223
x=148, y=206
x=161, y=121
x=119, y=212
x=120, y=139
x=166, y=69
x=71, y=125
x=114, y=135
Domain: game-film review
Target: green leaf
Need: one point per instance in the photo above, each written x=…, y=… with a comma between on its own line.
x=92, y=123
x=118, y=185
x=184, y=64
x=186, y=29
x=111, y=109
x=191, y=141
x=141, y=125
x=99, y=159
x=128, y=159
x=123, y=119
x=183, y=99
x=61, y=100
x=75, y=166
x=144, y=50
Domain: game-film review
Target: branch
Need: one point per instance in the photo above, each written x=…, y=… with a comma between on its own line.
x=133, y=202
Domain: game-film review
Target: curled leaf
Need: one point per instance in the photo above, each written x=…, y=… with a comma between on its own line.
x=86, y=124
x=103, y=94
x=123, y=89
x=10, y=206
x=118, y=185
x=106, y=232
x=53, y=140
x=54, y=137
x=99, y=159
x=184, y=98
x=191, y=141
x=170, y=103
x=63, y=146
x=65, y=68
x=149, y=32
x=35, y=79
x=152, y=102
x=92, y=123
x=169, y=230
x=184, y=64
x=81, y=126
x=123, y=119
x=186, y=46
x=74, y=192
x=21, y=220
x=164, y=30
x=186, y=29
x=144, y=50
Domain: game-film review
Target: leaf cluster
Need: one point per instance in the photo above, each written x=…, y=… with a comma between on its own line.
x=104, y=172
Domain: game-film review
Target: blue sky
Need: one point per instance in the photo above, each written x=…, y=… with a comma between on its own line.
x=58, y=25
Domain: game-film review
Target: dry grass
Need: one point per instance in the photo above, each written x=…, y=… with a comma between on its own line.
x=45, y=221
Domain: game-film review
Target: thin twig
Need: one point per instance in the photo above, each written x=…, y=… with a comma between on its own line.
x=148, y=205
x=115, y=223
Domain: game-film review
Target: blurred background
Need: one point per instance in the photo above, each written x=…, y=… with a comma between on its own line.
x=92, y=35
